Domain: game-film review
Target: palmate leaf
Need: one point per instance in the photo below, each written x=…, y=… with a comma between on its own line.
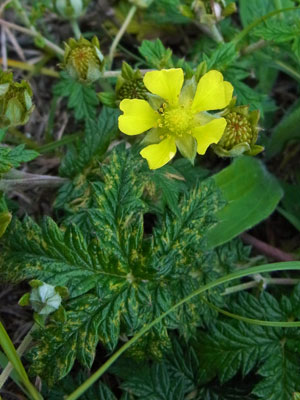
x=233, y=346
x=156, y=54
x=99, y=391
x=82, y=98
x=116, y=280
x=98, y=134
x=14, y=157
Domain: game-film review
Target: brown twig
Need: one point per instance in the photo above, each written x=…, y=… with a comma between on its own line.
x=267, y=249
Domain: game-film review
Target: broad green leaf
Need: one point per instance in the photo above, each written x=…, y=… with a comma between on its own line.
x=285, y=131
x=252, y=194
x=290, y=204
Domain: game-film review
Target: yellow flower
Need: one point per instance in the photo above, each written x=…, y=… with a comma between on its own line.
x=177, y=115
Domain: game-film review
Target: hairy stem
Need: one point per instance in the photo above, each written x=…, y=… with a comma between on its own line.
x=75, y=28
x=255, y=283
x=59, y=51
x=120, y=35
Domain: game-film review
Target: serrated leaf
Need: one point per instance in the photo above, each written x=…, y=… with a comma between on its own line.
x=14, y=157
x=278, y=31
x=251, y=10
x=281, y=374
x=119, y=279
x=232, y=346
x=82, y=98
x=98, y=135
x=156, y=55
x=222, y=56
x=154, y=383
x=99, y=391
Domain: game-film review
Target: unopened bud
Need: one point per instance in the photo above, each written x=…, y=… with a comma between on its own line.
x=141, y=3
x=45, y=299
x=70, y=8
x=83, y=59
x=240, y=134
x=15, y=101
x=130, y=84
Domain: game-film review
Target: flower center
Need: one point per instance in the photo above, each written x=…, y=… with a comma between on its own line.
x=176, y=120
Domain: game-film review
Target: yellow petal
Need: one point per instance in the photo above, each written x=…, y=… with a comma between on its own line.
x=209, y=133
x=159, y=154
x=213, y=93
x=166, y=83
x=138, y=116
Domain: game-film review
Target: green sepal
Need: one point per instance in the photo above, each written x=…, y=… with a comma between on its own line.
x=24, y=300
x=256, y=149
x=152, y=137
x=62, y=291
x=187, y=147
x=236, y=150
x=60, y=315
x=5, y=218
x=35, y=283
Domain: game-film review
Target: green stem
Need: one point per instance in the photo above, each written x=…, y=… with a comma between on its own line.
x=21, y=138
x=58, y=143
x=20, y=350
x=120, y=35
x=267, y=281
x=288, y=70
x=59, y=51
x=20, y=10
x=258, y=21
x=14, y=358
x=75, y=28
x=292, y=265
x=253, y=321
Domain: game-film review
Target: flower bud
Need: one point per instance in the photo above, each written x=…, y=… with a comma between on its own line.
x=83, y=59
x=45, y=299
x=141, y=3
x=130, y=84
x=240, y=134
x=15, y=101
x=70, y=8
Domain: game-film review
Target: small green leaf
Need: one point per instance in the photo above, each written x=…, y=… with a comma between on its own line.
x=156, y=55
x=5, y=218
x=13, y=157
x=82, y=98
